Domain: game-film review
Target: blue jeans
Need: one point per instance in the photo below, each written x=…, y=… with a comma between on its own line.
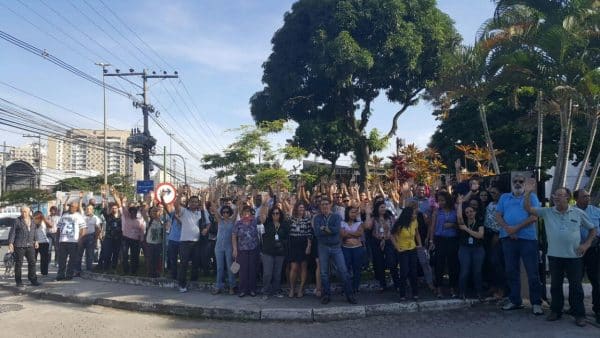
x=172, y=254
x=224, y=259
x=354, y=262
x=87, y=244
x=325, y=253
x=471, y=261
x=516, y=250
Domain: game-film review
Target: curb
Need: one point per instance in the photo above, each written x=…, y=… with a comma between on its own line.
x=236, y=314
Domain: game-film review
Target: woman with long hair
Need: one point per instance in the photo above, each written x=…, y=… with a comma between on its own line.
x=352, y=246
x=274, y=248
x=470, y=252
x=41, y=227
x=380, y=221
x=301, y=241
x=224, y=247
x=445, y=240
x=406, y=239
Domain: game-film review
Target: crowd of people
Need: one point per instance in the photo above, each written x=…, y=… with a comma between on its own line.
x=457, y=244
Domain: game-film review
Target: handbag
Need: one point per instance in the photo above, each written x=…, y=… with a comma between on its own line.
x=235, y=267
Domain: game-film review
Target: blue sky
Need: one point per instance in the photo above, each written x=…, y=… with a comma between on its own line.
x=216, y=46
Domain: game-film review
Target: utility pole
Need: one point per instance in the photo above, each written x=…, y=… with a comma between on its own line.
x=144, y=140
x=171, y=151
x=39, y=159
x=104, y=65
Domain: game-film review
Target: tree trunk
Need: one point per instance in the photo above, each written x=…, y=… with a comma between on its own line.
x=488, y=138
x=540, y=137
x=362, y=158
x=564, y=147
x=588, y=150
x=593, y=174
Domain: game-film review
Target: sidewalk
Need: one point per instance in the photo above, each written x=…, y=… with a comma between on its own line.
x=201, y=304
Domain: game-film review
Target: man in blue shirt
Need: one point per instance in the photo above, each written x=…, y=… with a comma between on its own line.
x=327, y=230
x=519, y=242
x=591, y=259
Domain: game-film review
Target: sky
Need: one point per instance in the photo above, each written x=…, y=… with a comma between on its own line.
x=217, y=48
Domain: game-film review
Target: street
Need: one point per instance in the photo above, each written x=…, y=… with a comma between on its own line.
x=27, y=317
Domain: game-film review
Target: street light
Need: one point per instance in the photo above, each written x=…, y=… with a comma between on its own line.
x=104, y=65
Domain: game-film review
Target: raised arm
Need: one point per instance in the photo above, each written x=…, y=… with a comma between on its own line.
x=115, y=194
x=264, y=209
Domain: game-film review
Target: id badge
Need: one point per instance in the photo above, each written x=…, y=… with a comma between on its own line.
x=276, y=237
x=470, y=241
x=381, y=230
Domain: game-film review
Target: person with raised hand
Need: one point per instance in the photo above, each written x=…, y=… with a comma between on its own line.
x=470, y=251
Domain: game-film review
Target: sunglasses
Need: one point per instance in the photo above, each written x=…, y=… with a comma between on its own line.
x=275, y=213
x=346, y=201
x=519, y=181
x=225, y=212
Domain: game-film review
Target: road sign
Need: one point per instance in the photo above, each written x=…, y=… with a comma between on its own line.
x=168, y=190
x=144, y=187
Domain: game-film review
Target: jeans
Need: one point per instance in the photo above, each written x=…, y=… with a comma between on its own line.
x=496, y=266
x=423, y=257
x=471, y=261
x=44, y=251
x=382, y=259
x=29, y=254
x=153, y=257
x=66, y=249
x=526, y=250
x=272, y=266
x=87, y=244
x=109, y=255
x=591, y=265
x=134, y=246
x=224, y=260
x=573, y=268
x=446, y=256
x=53, y=239
x=325, y=253
x=248, y=260
x=172, y=255
x=355, y=258
x=408, y=269
x=187, y=252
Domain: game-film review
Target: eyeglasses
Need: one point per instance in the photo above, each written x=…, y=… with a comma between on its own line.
x=275, y=213
x=346, y=201
x=519, y=181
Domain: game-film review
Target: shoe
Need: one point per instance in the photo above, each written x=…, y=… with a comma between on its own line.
x=415, y=298
x=69, y=278
x=231, y=291
x=252, y=294
x=58, y=279
x=20, y=285
x=325, y=300
x=318, y=293
x=580, y=321
x=537, y=310
x=568, y=312
x=242, y=294
x=597, y=318
x=553, y=316
x=351, y=300
x=279, y=295
x=264, y=297
x=35, y=283
x=216, y=291
x=510, y=306
x=402, y=299
x=300, y=293
x=183, y=289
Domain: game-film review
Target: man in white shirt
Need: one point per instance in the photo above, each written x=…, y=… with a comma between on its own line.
x=71, y=228
x=190, y=233
x=88, y=241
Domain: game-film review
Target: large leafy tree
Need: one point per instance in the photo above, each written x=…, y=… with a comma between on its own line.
x=333, y=58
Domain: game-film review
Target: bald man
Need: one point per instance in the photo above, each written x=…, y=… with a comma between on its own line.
x=22, y=240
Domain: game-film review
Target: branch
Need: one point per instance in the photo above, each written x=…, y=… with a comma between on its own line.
x=364, y=116
x=410, y=102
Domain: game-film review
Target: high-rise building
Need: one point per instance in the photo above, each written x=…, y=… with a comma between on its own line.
x=82, y=149
x=28, y=153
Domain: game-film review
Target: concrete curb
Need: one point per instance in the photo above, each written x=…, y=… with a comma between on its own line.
x=266, y=314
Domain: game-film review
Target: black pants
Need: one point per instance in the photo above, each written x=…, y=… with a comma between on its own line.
x=44, y=251
x=131, y=260
x=591, y=264
x=29, y=254
x=408, y=269
x=446, y=256
x=202, y=256
x=109, y=255
x=172, y=258
x=187, y=253
x=573, y=268
x=67, y=249
x=383, y=259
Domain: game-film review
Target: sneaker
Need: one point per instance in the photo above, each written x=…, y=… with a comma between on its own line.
x=242, y=294
x=252, y=294
x=35, y=283
x=580, y=321
x=216, y=291
x=537, y=310
x=325, y=300
x=351, y=299
x=279, y=295
x=553, y=316
x=597, y=318
x=231, y=291
x=510, y=306
x=20, y=285
x=183, y=289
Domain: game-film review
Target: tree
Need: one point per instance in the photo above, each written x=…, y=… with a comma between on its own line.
x=95, y=183
x=270, y=178
x=250, y=153
x=333, y=58
x=26, y=196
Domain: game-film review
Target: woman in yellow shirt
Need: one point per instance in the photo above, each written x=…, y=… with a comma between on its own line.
x=405, y=238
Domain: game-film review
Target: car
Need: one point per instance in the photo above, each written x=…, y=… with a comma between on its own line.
x=5, y=224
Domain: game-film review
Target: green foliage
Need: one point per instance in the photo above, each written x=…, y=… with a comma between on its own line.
x=94, y=184
x=26, y=196
x=332, y=58
x=291, y=152
x=270, y=177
